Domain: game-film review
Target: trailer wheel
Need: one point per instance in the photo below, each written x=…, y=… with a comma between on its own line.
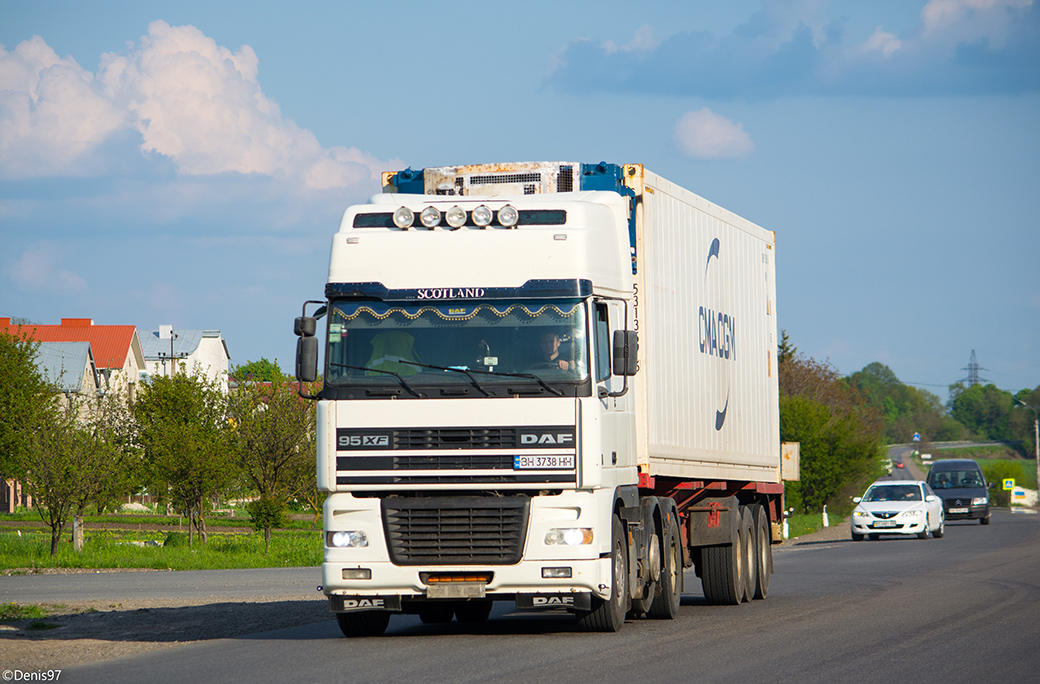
x=436, y=613
x=747, y=547
x=723, y=570
x=364, y=624
x=473, y=611
x=669, y=587
x=763, y=552
x=608, y=615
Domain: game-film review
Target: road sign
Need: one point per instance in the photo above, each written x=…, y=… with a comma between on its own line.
x=917, y=436
x=1009, y=484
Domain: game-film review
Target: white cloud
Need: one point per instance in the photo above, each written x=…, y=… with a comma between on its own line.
x=881, y=41
x=643, y=41
x=51, y=113
x=706, y=135
x=37, y=271
x=189, y=99
x=968, y=20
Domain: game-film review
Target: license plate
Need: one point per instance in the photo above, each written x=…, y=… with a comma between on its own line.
x=456, y=590
x=958, y=510
x=886, y=523
x=539, y=462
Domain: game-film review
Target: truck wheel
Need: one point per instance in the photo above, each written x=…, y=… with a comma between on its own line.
x=763, y=552
x=436, y=613
x=473, y=611
x=722, y=571
x=364, y=624
x=669, y=588
x=608, y=615
x=747, y=547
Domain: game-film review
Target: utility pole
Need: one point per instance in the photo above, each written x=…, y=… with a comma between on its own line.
x=1036, y=442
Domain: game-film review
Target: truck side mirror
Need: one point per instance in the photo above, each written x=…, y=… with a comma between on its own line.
x=307, y=358
x=626, y=350
x=305, y=326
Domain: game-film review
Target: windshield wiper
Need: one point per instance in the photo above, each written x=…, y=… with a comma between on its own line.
x=527, y=376
x=464, y=371
x=401, y=380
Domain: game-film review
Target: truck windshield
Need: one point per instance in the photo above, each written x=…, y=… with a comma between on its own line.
x=494, y=348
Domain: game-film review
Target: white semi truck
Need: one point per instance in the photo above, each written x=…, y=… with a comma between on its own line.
x=549, y=383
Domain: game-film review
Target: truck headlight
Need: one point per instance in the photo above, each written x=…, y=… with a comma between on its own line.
x=346, y=540
x=482, y=216
x=980, y=501
x=508, y=216
x=572, y=536
x=430, y=217
x=403, y=218
x=456, y=217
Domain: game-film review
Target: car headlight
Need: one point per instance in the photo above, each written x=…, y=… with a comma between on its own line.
x=345, y=540
x=860, y=513
x=980, y=501
x=573, y=536
x=912, y=513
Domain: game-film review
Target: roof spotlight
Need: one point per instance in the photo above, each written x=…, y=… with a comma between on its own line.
x=430, y=217
x=456, y=217
x=403, y=218
x=482, y=216
x=508, y=216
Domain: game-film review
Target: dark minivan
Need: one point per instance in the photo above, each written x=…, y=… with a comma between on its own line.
x=959, y=482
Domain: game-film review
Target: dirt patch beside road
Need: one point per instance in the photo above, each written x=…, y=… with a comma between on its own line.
x=91, y=631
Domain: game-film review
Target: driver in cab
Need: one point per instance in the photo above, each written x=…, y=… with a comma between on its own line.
x=550, y=348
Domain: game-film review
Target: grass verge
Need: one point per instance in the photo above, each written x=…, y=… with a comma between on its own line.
x=145, y=550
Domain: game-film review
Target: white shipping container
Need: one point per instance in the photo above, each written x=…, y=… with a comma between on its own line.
x=706, y=312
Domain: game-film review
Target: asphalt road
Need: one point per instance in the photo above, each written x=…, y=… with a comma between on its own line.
x=965, y=608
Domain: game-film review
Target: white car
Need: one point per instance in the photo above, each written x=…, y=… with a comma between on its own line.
x=898, y=507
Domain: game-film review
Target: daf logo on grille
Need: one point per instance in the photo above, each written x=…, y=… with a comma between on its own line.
x=559, y=439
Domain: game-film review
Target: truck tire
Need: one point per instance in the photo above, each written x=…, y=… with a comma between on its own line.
x=748, y=546
x=669, y=588
x=763, y=552
x=364, y=624
x=722, y=570
x=473, y=611
x=608, y=615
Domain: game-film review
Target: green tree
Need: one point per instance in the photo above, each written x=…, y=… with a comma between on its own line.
x=984, y=410
x=258, y=371
x=24, y=397
x=78, y=457
x=905, y=409
x=182, y=429
x=1022, y=419
x=839, y=432
x=274, y=432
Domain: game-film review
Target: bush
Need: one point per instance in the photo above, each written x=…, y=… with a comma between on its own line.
x=174, y=539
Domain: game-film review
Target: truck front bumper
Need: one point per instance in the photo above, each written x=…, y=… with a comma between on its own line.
x=357, y=576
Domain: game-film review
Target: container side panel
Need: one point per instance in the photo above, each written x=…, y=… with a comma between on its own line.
x=708, y=334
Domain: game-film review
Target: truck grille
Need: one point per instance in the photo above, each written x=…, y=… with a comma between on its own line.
x=455, y=438
x=455, y=531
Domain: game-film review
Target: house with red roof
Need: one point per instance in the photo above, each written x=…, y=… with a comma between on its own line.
x=116, y=349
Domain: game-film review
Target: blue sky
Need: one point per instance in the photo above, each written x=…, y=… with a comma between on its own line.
x=187, y=162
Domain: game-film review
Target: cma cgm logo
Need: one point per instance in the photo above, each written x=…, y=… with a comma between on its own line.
x=546, y=438
x=717, y=329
